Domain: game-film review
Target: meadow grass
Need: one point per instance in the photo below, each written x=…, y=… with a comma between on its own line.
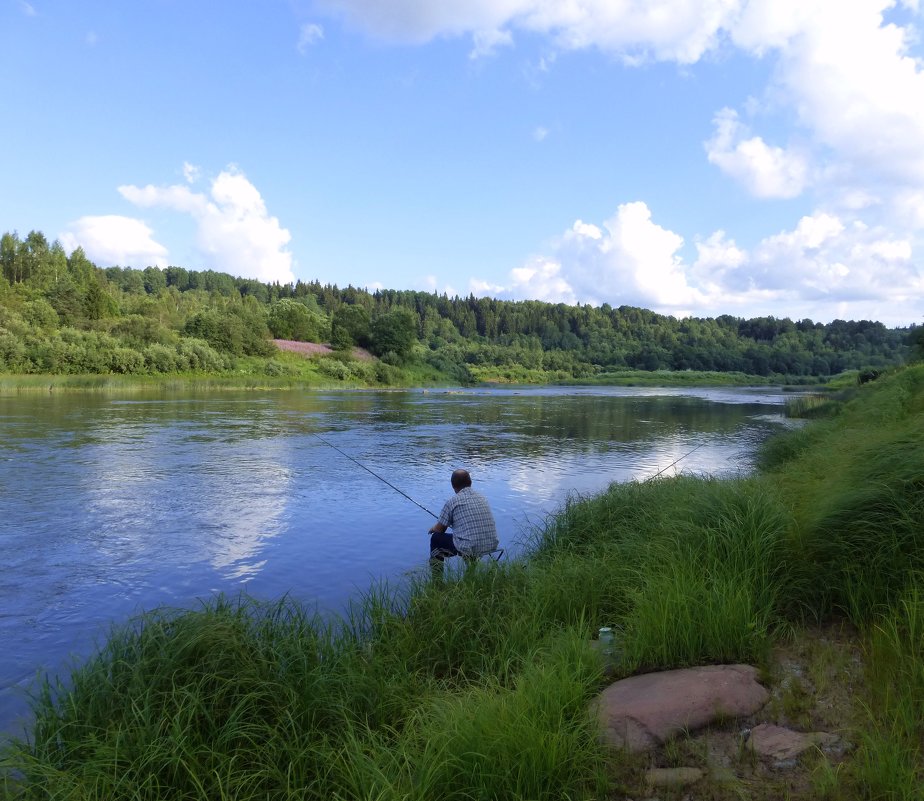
x=478, y=687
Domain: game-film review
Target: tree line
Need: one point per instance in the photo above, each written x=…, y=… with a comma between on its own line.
x=61, y=313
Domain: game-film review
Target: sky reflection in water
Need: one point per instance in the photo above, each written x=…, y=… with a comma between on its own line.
x=109, y=506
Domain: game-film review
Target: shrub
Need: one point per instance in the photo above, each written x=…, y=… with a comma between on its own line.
x=385, y=373
x=196, y=354
x=139, y=331
x=39, y=313
x=126, y=360
x=160, y=359
x=334, y=368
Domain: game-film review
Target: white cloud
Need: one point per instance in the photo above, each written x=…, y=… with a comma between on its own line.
x=540, y=133
x=851, y=79
x=191, y=172
x=636, y=29
x=631, y=254
x=27, y=8
x=717, y=260
x=541, y=279
x=234, y=230
x=823, y=268
x=110, y=240
x=487, y=42
x=430, y=283
x=480, y=288
x=309, y=35
x=908, y=208
x=630, y=259
x=766, y=171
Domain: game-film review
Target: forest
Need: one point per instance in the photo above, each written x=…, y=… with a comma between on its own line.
x=62, y=314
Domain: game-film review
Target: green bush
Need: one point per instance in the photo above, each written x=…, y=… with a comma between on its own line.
x=334, y=368
x=39, y=313
x=289, y=319
x=139, y=331
x=197, y=354
x=160, y=359
x=13, y=355
x=126, y=360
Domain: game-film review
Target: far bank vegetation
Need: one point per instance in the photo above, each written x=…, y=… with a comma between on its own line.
x=62, y=314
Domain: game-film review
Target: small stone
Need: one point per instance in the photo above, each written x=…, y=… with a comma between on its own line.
x=673, y=777
x=785, y=745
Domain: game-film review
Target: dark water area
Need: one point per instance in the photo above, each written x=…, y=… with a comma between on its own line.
x=111, y=506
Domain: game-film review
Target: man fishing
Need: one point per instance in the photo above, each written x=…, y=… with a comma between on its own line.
x=473, y=530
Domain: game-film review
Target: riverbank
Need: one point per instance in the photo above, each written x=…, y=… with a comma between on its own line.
x=294, y=371
x=288, y=371
x=479, y=687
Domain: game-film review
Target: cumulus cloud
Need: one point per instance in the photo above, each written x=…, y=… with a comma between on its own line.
x=766, y=171
x=541, y=279
x=309, y=35
x=718, y=263
x=850, y=77
x=823, y=268
x=234, y=230
x=681, y=30
x=628, y=259
x=110, y=240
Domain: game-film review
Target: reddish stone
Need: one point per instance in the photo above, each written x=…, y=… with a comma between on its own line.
x=641, y=712
x=785, y=744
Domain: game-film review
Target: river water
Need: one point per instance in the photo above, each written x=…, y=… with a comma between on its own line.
x=110, y=506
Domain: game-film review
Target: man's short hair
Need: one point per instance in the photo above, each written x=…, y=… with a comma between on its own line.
x=460, y=479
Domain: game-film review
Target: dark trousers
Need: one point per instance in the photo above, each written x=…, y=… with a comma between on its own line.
x=441, y=547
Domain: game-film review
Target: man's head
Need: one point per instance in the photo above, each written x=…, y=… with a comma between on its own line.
x=460, y=479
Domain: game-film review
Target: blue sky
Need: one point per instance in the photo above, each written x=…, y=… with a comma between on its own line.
x=701, y=157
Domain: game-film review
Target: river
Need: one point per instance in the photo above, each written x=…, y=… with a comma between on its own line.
x=113, y=505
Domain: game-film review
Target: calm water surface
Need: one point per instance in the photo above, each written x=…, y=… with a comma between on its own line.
x=111, y=506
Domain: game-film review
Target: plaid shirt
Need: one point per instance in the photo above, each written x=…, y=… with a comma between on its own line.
x=468, y=515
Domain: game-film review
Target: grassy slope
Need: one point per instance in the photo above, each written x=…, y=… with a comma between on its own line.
x=478, y=688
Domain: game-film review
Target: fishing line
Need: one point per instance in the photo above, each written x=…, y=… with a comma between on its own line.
x=651, y=478
x=331, y=445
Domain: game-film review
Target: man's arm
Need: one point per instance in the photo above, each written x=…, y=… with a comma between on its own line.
x=444, y=521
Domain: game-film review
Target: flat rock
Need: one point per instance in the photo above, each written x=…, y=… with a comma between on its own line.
x=673, y=777
x=642, y=712
x=782, y=744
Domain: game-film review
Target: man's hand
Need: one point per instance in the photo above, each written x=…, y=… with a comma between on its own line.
x=437, y=528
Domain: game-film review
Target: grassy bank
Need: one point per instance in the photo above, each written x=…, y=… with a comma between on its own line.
x=289, y=371
x=691, y=378
x=478, y=688
x=295, y=372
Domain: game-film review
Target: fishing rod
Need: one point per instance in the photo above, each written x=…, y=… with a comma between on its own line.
x=331, y=445
x=651, y=478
